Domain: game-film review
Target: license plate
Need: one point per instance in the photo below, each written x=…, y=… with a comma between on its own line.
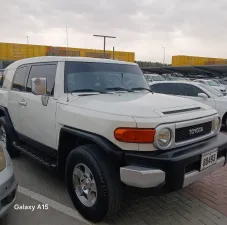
x=209, y=159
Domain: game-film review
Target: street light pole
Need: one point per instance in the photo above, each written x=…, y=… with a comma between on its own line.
x=27, y=40
x=104, y=40
x=164, y=55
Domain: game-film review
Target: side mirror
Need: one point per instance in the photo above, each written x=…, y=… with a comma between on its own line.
x=203, y=95
x=39, y=86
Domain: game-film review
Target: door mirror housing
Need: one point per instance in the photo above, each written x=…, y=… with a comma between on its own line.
x=39, y=86
x=203, y=95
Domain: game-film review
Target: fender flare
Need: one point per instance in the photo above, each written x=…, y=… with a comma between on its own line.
x=100, y=141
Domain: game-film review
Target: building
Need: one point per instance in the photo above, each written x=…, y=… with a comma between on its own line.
x=10, y=52
x=184, y=60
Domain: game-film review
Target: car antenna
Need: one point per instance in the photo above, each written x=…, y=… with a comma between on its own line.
x=66, y=50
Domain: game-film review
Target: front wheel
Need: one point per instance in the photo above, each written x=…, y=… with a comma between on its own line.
x=93, y=183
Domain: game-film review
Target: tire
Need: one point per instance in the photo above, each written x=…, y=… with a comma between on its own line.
x=106, y=177
x=13, y=152
x=224, y=122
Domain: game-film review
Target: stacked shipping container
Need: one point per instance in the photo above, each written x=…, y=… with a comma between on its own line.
x=12, y=52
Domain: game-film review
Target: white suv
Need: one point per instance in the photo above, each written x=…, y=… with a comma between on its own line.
x=97, y=122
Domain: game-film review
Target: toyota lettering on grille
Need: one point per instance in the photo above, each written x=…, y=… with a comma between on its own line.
x=196, y=130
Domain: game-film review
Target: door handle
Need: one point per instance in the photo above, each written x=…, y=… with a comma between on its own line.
x=23, y=103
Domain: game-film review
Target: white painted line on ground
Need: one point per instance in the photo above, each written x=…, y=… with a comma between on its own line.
x=53, y=204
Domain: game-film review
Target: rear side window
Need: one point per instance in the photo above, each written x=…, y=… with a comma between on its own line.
x=19, y=79
x=47, y=71
x=166, y=88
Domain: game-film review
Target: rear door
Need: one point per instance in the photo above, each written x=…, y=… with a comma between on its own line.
x=37, y=121
x=15, y=94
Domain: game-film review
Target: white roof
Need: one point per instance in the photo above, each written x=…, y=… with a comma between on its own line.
x=177, y=81
x=204, y=79
x=151, y=74
x=64, y=58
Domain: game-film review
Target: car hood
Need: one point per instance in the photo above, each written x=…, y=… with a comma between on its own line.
x=221, y=98
x=221, y=88
x=134, y=104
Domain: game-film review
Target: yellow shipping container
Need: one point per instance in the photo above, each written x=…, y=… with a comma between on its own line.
x=13, y=51
x=182, y=60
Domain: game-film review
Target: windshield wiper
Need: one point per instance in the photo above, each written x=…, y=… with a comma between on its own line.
x=141, y=88
x=118, y=89
x=87, y=90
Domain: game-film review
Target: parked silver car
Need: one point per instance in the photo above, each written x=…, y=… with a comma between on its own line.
x=8, y=182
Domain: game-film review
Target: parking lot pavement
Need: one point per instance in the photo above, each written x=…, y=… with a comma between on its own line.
x=212, y=190
x=191, y=206
x=40, y=214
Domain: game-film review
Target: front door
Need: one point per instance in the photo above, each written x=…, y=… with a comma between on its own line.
x=191, y=91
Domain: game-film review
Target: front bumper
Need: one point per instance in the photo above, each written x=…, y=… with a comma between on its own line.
x=174, y=169
x=8, y=187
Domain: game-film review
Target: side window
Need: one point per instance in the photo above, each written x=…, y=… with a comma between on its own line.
x=188, y=90
x=47, y=71
x=19, y=79
x=166, y=88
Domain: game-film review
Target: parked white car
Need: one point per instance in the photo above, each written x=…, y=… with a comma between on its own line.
x=195, y=91
x=212, y=84
x=153, y=78
x=8, y=181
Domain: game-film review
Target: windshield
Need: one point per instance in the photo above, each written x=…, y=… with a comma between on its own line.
x=212, y=83
x=211, y=90
x=100, y=77
x=217, y=82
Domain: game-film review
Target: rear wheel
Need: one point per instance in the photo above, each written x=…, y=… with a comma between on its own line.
x=93, y=183
x=224, y=122
x=6, y=138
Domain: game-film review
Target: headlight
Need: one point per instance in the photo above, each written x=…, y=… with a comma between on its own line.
x=163, y=137
x=2, y=159
x=217, y=124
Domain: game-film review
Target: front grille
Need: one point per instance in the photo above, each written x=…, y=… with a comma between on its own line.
x=191, y=132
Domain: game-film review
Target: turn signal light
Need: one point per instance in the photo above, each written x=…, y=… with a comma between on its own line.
x=134, y=135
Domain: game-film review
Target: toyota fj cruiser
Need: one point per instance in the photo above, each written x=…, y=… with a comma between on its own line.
x=98, y=122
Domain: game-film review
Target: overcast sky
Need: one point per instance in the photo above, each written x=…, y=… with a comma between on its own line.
x=189, y=27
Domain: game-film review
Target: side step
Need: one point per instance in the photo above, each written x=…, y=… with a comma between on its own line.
x=44, y=159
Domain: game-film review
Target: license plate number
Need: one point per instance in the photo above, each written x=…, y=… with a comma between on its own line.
x=208, y=159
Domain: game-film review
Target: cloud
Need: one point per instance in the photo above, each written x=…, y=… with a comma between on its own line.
x=191, y=27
